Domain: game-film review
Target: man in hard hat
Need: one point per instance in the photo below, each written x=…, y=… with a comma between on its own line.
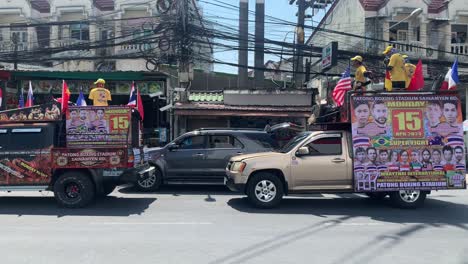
x=360, y=80
x=99, y=94
x=409, y=67
x=396, y=67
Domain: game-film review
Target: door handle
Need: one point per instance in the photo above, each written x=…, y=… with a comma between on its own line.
x=239, y=153
x=199, y=155
x=338, y=160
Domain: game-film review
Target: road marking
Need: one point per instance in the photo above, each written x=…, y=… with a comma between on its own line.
x=151, y=223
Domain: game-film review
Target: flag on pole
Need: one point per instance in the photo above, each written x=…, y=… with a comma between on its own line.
x=29, y=100
x=343, y=85
x=21, y=99
x=451, y=78
x=133, y=97
x=417, y=81
x=65, y=96
x=1, y=96
x=81, y=100
x=140, y=106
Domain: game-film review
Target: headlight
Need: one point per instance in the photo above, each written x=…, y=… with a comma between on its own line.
x=238, y=166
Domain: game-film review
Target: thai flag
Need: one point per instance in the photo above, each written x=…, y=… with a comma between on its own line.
x=29, y=100
x=451, y=78
x=133, y=96
x=438, y=167
x=460, y=167
x=455, y=140
x=81, y=100
x=361, y=142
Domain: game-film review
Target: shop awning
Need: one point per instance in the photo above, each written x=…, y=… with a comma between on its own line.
x=116, y=76
x=200, y=109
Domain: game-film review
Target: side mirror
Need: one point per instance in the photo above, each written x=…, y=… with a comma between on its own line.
x=302, y=151
x=172, y=146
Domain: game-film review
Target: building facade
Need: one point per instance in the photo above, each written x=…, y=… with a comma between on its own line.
x=92, y=35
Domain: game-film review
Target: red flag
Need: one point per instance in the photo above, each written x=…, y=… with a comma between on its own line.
x=140, y=106
x=417, y=81
x=388, y=82
x=65, y=97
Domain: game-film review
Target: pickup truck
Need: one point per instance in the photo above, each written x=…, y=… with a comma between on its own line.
x=405, y=161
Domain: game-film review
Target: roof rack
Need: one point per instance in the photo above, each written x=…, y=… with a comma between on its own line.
x=228, y=128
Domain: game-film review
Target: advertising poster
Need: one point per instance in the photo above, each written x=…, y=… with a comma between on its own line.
x=48, y=112
x=98, y=126
x=89, y=158
x=25, y=167
x=408, y=142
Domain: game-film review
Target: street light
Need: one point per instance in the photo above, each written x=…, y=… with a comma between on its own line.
x=415, y=13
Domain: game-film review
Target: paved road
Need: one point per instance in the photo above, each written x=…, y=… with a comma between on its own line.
x=211, y=225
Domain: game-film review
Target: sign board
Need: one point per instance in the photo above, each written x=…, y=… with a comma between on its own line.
x=179, y=89
x=329, y=55
x=98, y=126
x=407, y=142
x=89, y=158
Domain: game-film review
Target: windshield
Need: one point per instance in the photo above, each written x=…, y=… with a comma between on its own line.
x=293, y=142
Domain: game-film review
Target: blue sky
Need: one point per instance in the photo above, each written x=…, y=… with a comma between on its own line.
x=275, y=8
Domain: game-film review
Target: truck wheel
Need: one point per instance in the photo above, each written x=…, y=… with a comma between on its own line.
x=378, y=196
x=408, y=199
x=74, y=190
x=265, y=190
x=149, y=182
x=107, y=188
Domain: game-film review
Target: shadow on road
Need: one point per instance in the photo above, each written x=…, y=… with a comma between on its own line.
x=178, y=190
x=349, y=210
x=108, y=206
x=435, y=212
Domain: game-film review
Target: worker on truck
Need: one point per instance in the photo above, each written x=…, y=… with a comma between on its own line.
x=360, y=80
x=395, y=64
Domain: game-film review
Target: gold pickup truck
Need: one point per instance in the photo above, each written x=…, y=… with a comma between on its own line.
x=312, y=162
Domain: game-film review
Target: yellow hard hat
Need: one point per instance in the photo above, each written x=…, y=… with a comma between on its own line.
x=387, y=50
x=100, y=81
x=357, y=58
x=404, y=56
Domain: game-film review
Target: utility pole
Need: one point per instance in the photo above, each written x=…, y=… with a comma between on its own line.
x=299, y=76
x=185, y=72
x=259, y=44
x=243, y=44
x=15, y=42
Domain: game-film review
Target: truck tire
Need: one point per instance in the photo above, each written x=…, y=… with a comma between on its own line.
x=378, y=196
x=74, y=189
x=408, y=199
x=149, y=182
x=265, y=190
x=107, y=188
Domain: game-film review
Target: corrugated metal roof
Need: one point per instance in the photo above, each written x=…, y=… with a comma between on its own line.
x=221, y=107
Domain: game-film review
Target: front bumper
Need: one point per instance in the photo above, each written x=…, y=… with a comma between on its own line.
x=230, y=182
x=131, y=175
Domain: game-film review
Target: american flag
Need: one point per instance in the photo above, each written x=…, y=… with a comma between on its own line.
x=343, y=85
